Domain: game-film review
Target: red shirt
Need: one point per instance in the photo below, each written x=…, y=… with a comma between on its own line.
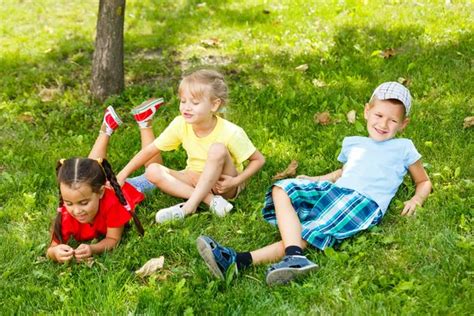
x=111, y=214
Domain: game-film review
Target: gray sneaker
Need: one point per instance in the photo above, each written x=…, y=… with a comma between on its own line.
x=288, y=269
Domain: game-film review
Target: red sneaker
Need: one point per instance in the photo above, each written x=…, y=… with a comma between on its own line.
x=145, y=111
x=111, y=120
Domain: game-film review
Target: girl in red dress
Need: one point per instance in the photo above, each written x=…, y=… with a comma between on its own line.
x=91, y=202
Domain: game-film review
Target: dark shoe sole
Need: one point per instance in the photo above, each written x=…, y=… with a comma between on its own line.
x=285, y=275
x=205, y=251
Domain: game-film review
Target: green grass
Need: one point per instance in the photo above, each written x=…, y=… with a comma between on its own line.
x=419, y=265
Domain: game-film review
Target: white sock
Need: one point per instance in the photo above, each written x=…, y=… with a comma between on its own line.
x=143, y=124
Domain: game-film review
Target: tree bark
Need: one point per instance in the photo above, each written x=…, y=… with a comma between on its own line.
x=107, y=62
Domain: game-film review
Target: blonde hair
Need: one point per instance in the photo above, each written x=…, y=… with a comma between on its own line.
x=393, y=101
x=206, y=81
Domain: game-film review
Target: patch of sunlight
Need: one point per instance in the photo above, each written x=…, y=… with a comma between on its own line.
x=60, y=21
x=280, y=150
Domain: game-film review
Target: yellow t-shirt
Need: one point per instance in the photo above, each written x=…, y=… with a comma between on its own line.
x=232, y=136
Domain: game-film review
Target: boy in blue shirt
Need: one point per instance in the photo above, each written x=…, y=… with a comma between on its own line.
x=323, y=210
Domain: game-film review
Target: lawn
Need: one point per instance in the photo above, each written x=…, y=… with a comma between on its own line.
x=284, y=61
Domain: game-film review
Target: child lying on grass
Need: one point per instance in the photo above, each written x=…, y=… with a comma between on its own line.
x=91, y=202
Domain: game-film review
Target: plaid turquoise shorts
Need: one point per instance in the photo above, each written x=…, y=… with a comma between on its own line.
x=328, y=213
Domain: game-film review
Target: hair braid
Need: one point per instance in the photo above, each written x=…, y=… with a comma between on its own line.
x=57, y=228
x=110, y=175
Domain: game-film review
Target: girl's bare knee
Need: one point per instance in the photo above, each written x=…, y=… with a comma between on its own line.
x=217, y=151
x=154, y=172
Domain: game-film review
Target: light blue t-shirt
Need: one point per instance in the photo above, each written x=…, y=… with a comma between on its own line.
x=376, y=169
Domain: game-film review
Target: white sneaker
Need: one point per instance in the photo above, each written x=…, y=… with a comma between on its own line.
x=220, y=206
x=171, y=213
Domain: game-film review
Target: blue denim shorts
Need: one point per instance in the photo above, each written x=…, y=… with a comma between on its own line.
x=141, y=183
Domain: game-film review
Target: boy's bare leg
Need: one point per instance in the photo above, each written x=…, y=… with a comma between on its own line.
x=289, y=226
x=219, y=162
x=270, y=253
x=99, y=150
x=287, y=219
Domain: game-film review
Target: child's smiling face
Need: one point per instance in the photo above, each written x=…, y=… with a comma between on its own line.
x=81, y=202
x=385, y=119
x=197, y=107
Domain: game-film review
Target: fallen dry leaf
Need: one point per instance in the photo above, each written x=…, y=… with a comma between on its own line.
x=387, y=53
x=151, y=266
x=468, y=122
x=201, y=5
x=290, y=171
x=47, y=94
x=319, y=83
x=404, y=81
x=302, y=67
x=351, y=116
x=323, y=118
x=210, y=42
x=26, y=117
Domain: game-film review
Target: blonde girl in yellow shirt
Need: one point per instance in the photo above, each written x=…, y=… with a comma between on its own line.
x=215, y=148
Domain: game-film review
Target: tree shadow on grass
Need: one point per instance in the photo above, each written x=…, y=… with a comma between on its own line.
x=154, y=57
x=280, y=100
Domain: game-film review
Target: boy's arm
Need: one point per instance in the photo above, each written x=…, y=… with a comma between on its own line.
x=422, y=190
x=137, y=161
x=256, y=162
x=331, y=177
x=111, y=240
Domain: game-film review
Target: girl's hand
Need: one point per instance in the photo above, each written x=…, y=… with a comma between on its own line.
x=225, y=184
x=63, y=253
x=410, y=207
x=82, y=252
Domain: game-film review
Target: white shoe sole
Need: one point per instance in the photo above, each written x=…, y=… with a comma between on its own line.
x=206, y=253
x=114, y=115
x=147, y=104
x=285, y=275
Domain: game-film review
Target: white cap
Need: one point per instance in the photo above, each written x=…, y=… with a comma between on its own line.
x=394, y=90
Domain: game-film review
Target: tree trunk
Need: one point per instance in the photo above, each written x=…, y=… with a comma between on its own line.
x=107, y=62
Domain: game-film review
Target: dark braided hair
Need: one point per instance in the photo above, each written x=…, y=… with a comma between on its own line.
x=57, y=222
x=118, y=192
x=74, y=171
